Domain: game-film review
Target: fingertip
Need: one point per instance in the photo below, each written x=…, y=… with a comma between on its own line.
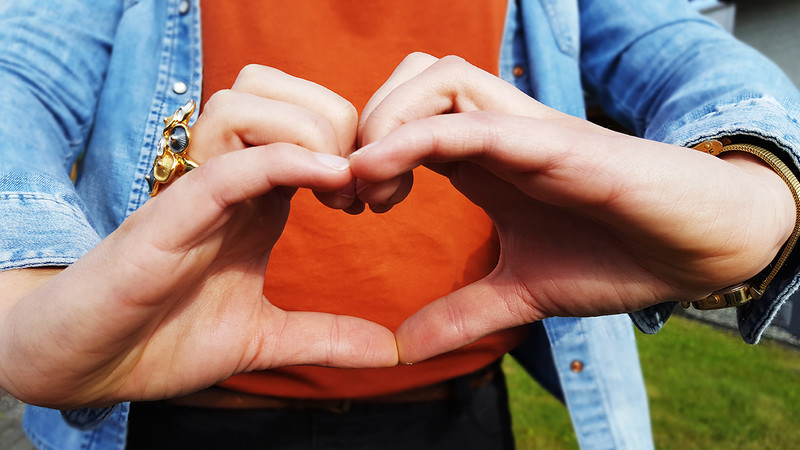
x=356, y=208
x=383, y=196
x=414, y=345
x=363, y=150
x=334, y=200
x=367, y=345
x=333, y=161
x=391, y=356
x=313, y=338
x=348, y=191
x=450, y=322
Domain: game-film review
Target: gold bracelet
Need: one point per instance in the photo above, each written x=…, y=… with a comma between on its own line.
x=744, y=292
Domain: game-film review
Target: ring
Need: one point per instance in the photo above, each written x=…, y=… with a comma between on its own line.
x=171, y=160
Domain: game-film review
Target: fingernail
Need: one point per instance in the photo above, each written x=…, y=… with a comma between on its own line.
x=332, y=161
x=348, y=191
x=361, y=186
x=364, y=149
x=355, y=209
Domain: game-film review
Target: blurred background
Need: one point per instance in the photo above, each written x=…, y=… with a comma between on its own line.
x=707, y=389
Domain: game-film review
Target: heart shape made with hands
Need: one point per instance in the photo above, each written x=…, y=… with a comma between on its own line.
x=266, y=107
x=581, y=233
x=589, y=222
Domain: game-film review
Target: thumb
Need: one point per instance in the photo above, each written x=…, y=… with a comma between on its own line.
x=322, y=339
x=459, y=318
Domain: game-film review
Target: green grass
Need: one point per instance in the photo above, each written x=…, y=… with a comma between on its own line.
x=707, y=390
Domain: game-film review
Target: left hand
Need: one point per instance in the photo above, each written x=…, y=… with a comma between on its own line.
x=590, y=221
x=172, y=301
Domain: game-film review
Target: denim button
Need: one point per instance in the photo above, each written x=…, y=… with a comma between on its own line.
x=183, y=7
x=180, y=87
x=518, y=71
x=576, y=365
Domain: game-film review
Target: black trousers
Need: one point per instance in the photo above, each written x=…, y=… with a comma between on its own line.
x=472, y=419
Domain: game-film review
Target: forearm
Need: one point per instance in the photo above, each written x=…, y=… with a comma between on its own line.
x=15, y=285
x=656, y=77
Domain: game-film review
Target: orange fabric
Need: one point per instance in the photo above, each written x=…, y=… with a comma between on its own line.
x=380, y=267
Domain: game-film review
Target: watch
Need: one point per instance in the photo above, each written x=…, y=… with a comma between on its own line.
x=754, y=288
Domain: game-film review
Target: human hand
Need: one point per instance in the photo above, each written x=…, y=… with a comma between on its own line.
x=590, y=221
x=172, y=302
x=301, y=112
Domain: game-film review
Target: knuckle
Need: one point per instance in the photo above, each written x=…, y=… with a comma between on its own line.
x=453, y=67
x=246, y=76
x=413, y=56
x=209, y=170
x=319, y=135
x=220, y=100
x=419, y=59
x=345, y=115
x=453, y=61
x=207, y=177
x=457, y=321
x=252, y=75
x=251, y=71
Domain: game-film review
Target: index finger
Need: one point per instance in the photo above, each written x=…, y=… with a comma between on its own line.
x=411, y=66
x=446, y=85
x=274, y=84
x=486, y=138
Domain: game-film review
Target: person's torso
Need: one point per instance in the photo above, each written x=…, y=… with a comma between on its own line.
x=381, y=267
x=158, y=64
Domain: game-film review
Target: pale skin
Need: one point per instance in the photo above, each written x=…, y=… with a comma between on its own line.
x=172, y=301
x=590, y=222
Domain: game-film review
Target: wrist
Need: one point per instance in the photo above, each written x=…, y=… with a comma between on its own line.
x=772, y=205
x=781, y=213
x=15, y=285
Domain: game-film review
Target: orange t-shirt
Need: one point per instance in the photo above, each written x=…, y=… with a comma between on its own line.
x=382, y=267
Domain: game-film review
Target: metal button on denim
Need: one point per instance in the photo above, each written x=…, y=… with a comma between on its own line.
x=180, y=87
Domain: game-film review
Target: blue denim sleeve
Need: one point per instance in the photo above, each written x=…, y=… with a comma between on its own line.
x=49, y=429
x=86, y=418
x=52, y=66
x=670, y=75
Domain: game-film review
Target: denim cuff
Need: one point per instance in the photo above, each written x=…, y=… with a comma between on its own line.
x=44, y=223
x=87, y=418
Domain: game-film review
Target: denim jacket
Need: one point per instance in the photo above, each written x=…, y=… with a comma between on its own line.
x=94, y=78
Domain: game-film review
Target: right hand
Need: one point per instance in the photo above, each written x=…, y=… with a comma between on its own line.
x=172, y=302
x=589, y=221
